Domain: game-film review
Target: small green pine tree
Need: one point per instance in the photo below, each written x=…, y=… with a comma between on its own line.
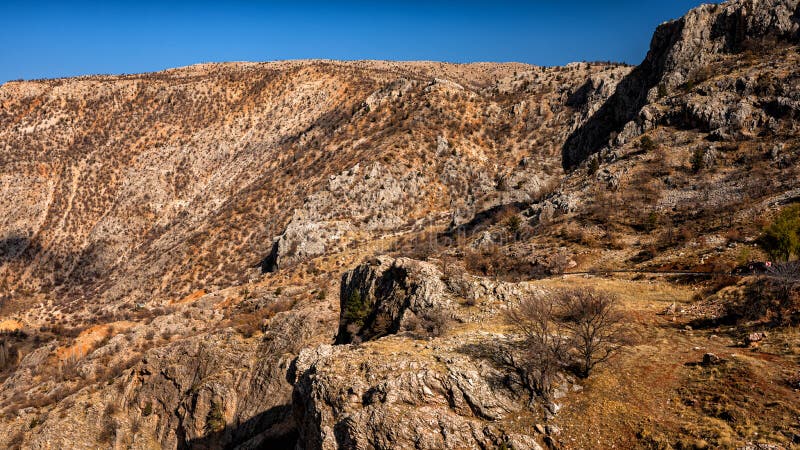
x=215, y=421
x=356, y=309
x=781, y=239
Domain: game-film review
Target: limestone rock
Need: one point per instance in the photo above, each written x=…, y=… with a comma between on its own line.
x=387, y=292
x=680, y=53
x=354, y=398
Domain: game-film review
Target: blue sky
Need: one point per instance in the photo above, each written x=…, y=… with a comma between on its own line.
x=55, y=39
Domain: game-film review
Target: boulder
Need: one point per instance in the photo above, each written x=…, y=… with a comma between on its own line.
x=711, y=359
x=379, y=297
x=359, y=397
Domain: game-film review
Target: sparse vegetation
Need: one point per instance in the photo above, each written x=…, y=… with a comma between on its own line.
x=577, y=328
x=215, y=421
x=772, y=300
x=781, y=239
x=662, y=90
x=433, y=323
x=108, y=432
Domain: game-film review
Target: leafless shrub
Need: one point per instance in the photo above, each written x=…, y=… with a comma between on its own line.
x=136, y=426
x=594, y=322
x=110, y=409
x=7, y=354
x=16, y=440
x=108, y=432
x=788, y=272
x=492, y=261
x=434, y=323
x=68, y=367
x=558, y=263
x=577, y=328
x=544, y=348
x=794, y=380
x=774, y=298
x=455, y=279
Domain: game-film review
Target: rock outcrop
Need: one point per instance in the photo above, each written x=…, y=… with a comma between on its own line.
x=428, y=397
x=380, y=297
x=679, y=53
x=407, y=390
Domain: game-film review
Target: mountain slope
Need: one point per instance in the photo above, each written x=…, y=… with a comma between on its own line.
x=320, y=253
x=680, y=54
x=136, y=203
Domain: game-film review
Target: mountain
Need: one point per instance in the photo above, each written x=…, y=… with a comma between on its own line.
x=324, y=254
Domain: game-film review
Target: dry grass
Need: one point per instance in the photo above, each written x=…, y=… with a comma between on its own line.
x=656, y=393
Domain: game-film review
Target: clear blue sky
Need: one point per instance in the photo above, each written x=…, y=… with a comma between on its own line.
x=55, y=39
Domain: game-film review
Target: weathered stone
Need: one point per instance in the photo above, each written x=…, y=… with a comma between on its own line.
x=349, y=398
x=679, y=53
x=710, y=359
x=384, y=292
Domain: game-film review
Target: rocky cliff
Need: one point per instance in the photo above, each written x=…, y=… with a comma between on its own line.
x=681, y=54
x=426, y=387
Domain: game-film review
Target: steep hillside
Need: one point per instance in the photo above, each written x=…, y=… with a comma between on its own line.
x=324, y=254
x=136, y=203
x=172, y=182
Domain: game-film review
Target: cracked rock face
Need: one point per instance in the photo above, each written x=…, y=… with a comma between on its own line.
x=424, y=400
x=681, y=51
x=391, y=291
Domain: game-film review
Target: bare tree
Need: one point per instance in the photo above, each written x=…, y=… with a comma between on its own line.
x=544, y=347
x=788, y=272
x=784, y=282
x=594, y=323
x=578, y=328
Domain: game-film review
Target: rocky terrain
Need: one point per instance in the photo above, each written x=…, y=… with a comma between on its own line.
x=322, y=254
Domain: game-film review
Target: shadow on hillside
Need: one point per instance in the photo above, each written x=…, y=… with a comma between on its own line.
x=18, y=248
x=267, y=430
x=510, y=375
x=626, y=102
x=493, y=352
x=85, y=265
x=270, y=262
x=483, y=220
